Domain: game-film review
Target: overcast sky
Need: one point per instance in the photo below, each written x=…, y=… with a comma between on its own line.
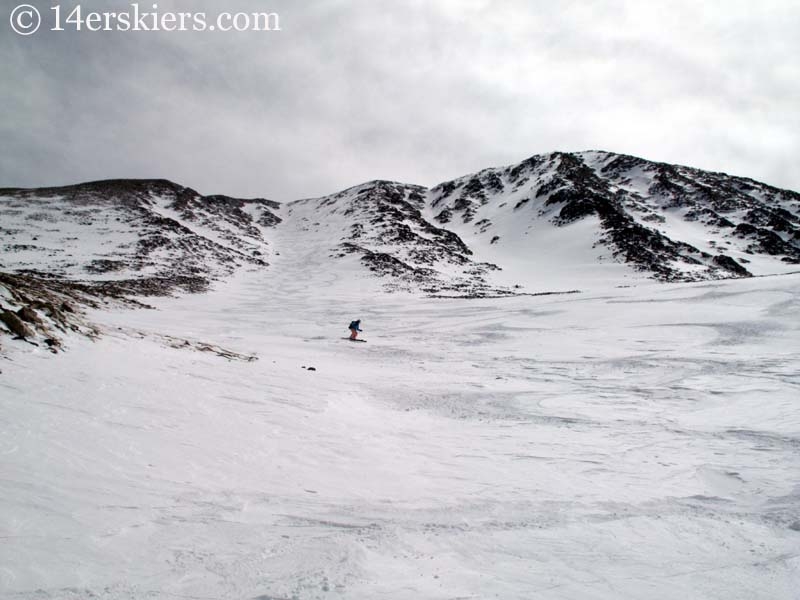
x=418, y=92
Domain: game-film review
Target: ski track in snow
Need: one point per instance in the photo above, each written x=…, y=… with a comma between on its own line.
x=620, y=443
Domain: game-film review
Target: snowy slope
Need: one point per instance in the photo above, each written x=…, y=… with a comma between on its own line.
x=560, y=221
x=571, y=210
x=380, y=225
x=636, y=439
x=640, y=443
x=139, y=236
x=550, y=223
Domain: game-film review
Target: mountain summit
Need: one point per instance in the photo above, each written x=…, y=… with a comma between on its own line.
x=671, y=222
x=550, y=221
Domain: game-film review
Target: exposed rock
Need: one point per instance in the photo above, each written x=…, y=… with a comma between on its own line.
x=15, y=324
x=726, y=262
x=42, y=300
x=29, y=315
x=52, y=343
x=158, y=237
x=637, y=203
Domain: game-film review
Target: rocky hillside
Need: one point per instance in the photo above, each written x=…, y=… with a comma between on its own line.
x=381, y=223
x=146, y=237
x=553, y=221
x=671, y=222
x=69, y=249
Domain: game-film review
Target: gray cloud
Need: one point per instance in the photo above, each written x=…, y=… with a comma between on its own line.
x=416, y=91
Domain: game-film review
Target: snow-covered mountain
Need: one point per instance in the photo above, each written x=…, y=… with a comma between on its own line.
x=525, y=228
x=143, y=237
x=382, y=225
x=71, y=248
x=555, y=220
x=675, y=223
x=635, y=439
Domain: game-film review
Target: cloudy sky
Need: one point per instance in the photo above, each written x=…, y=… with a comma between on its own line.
x=417, y=91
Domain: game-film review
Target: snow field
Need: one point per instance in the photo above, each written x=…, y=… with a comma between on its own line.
x=619, y=443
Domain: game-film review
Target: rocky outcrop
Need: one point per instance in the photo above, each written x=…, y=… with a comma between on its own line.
x=124, y=238
x=42, y=310
x=394, y=240
x=141, y=237
x=642, y=208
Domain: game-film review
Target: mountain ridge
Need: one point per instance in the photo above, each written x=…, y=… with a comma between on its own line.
x=668, y=222
x=552, y=223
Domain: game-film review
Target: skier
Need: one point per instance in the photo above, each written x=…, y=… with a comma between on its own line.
x=354, y=329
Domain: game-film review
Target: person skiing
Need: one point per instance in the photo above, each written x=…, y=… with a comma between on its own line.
x=354, y=328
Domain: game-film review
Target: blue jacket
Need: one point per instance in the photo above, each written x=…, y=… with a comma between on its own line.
x=355, y=325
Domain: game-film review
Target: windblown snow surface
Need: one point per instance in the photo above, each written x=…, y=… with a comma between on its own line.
x=632, y=440
x=637, y=442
